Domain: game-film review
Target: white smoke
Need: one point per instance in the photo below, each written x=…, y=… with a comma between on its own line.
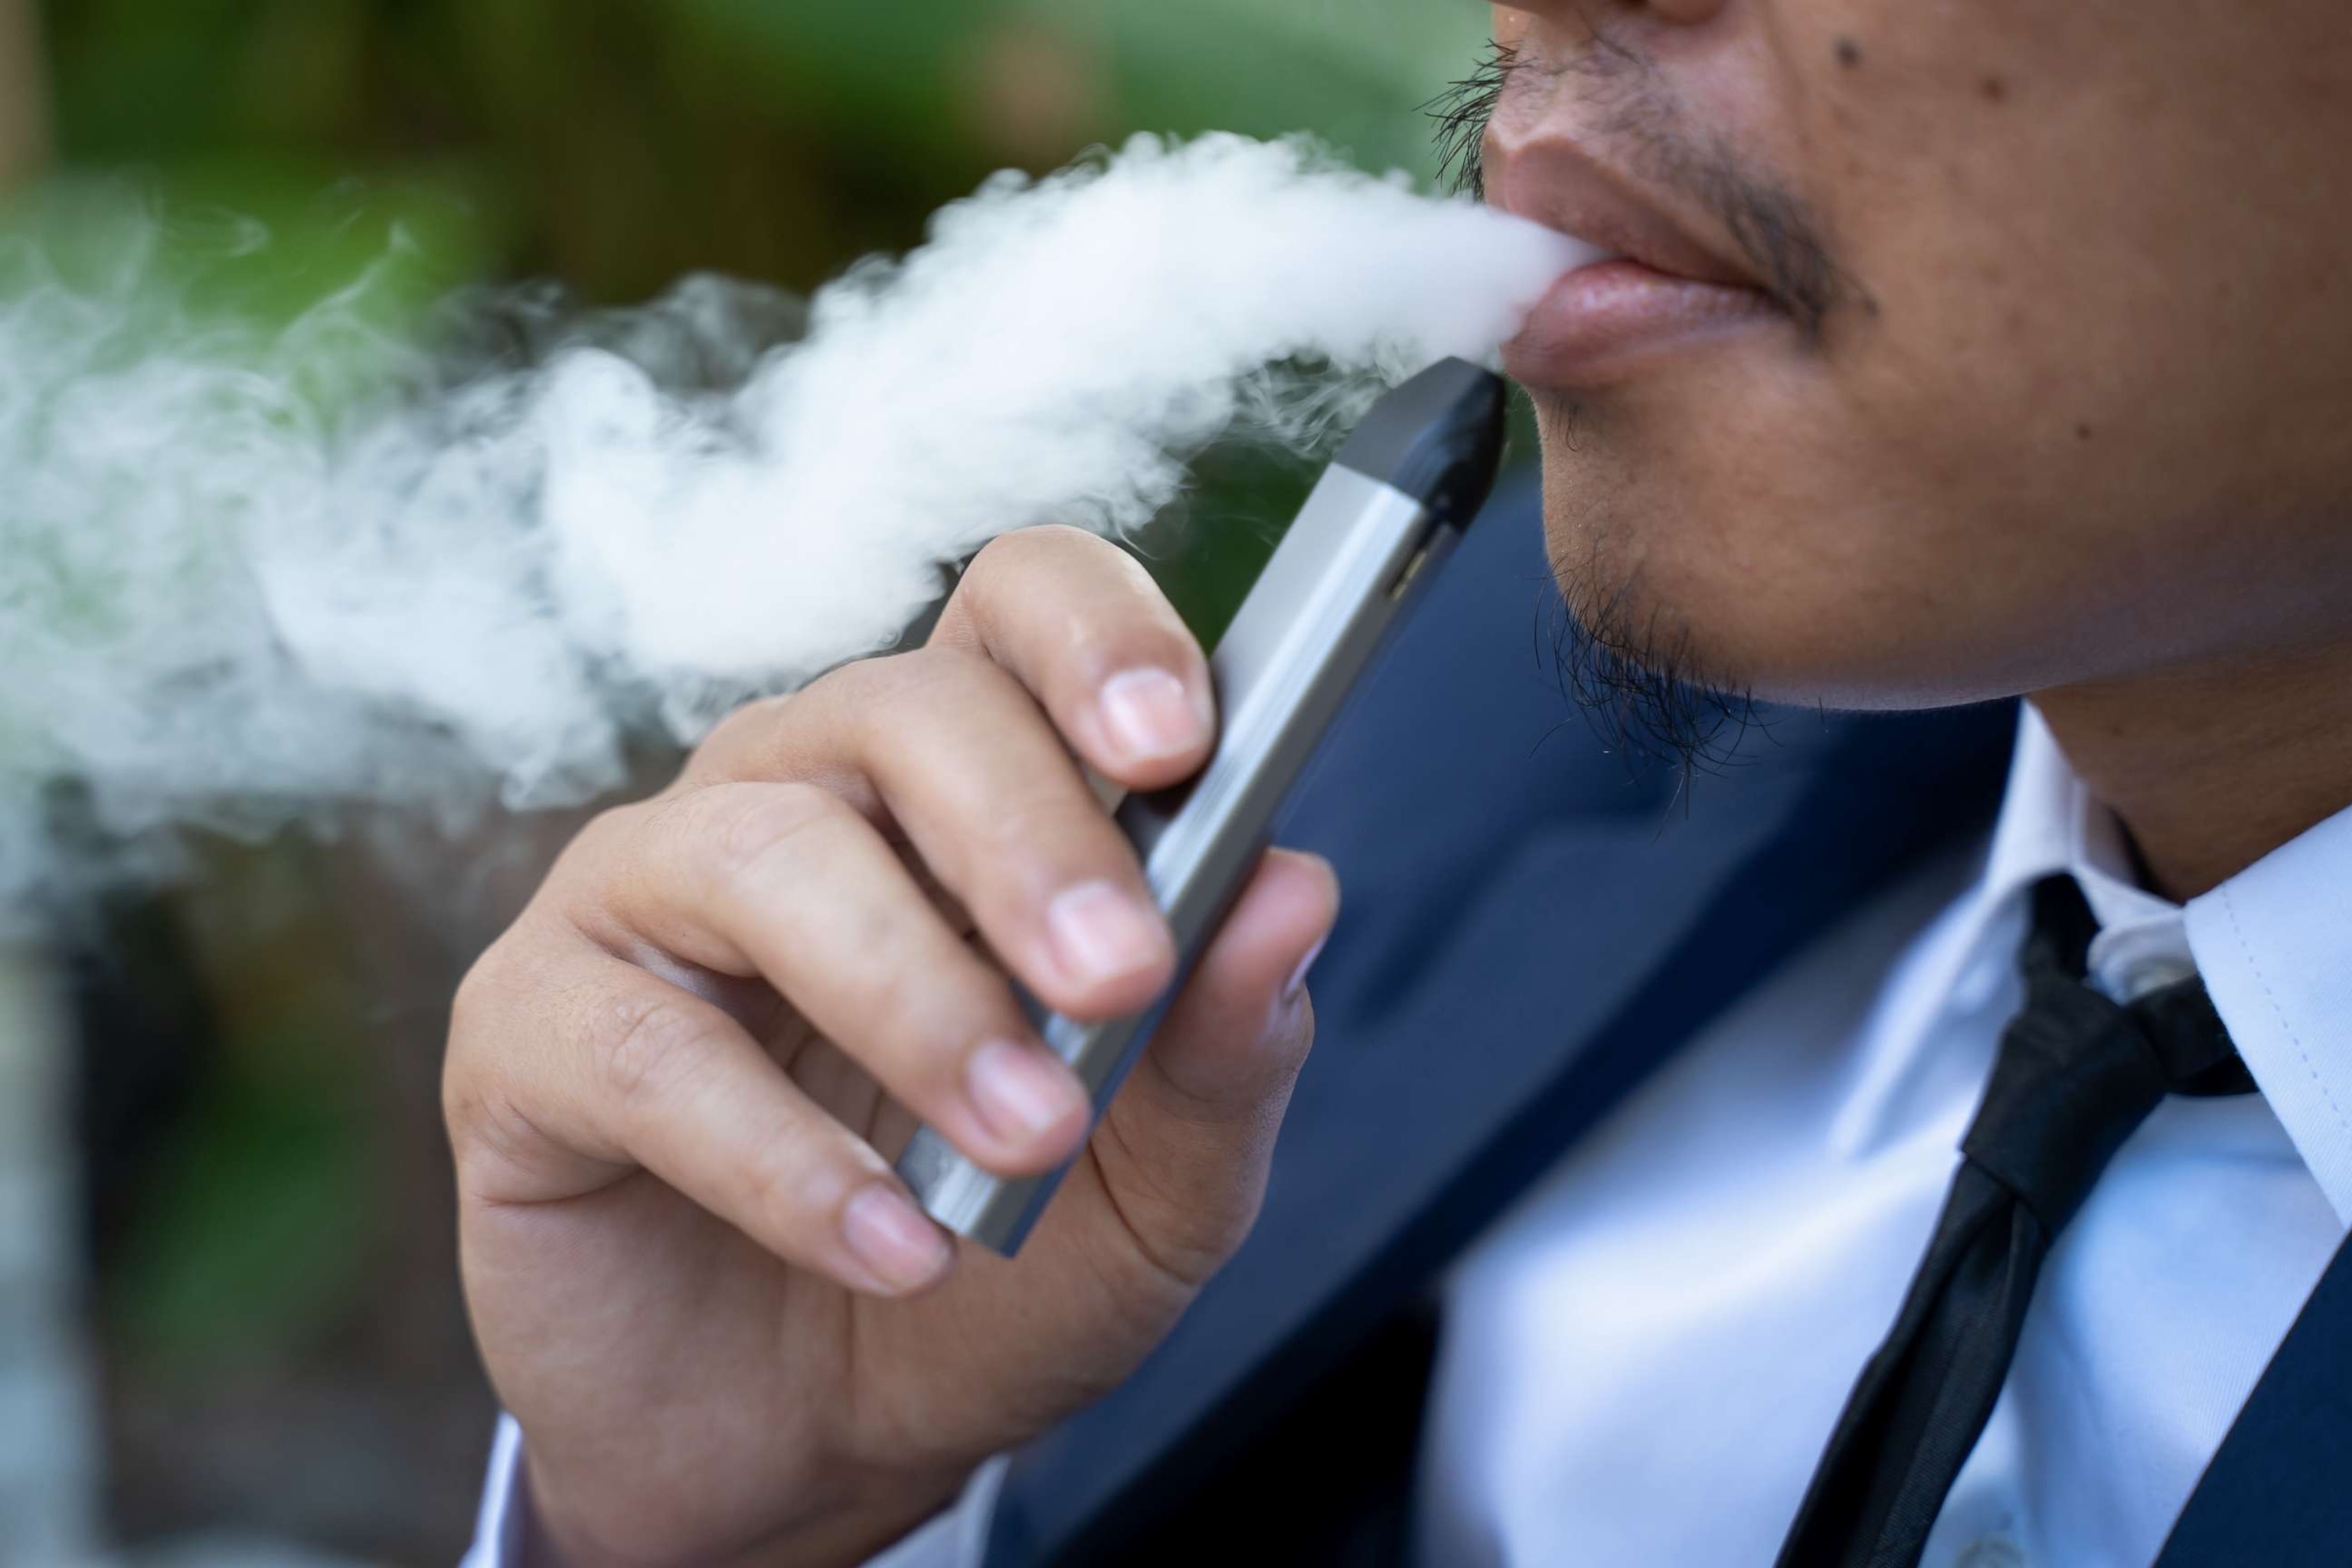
x=221, y=604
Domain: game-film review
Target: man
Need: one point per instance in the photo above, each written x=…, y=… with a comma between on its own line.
x=1962, y=353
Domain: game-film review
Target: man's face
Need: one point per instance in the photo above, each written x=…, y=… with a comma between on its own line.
x=2046, y=375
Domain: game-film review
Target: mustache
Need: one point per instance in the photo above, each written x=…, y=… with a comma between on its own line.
x=1461, y=114
x=1636, y=117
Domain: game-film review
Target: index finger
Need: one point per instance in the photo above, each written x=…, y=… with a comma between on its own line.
x=1080, y=624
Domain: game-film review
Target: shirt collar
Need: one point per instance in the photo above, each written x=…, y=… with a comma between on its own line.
x=2049, y=824
x=2274, y=943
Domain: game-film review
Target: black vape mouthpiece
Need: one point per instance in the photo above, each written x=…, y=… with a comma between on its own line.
x=1438, y=438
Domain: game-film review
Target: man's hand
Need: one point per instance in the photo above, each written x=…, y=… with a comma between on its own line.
x=675, y=1086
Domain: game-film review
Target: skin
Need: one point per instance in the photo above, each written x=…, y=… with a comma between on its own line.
x=2079, y=423
x=2076, y=420
x=675, y=1086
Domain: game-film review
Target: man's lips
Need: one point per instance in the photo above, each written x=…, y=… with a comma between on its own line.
x=1599, y=321
x=1663, y=286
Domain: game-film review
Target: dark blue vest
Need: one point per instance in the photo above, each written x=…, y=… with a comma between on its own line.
x=1531, y=927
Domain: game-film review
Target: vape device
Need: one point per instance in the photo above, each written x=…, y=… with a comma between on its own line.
x=1383, y=517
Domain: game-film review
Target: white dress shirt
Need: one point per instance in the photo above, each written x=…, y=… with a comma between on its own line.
x=1642, y=1362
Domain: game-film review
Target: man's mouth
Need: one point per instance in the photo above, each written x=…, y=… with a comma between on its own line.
x=1667, y=284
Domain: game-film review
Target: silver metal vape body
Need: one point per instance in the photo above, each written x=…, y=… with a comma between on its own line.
x=1381, y=519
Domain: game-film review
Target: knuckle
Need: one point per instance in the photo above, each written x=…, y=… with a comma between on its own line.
x=1022, y=550
x=495, y=1143
x=927, y=1023
x=648, y=1046
x=856, y=686
x=877, y=698
x=470, y=1005
x=755, y=835
x=615, y=822
x=491, y=1134
x=919, y=677
x=1205, y=1237
x=1032, y=822
x=1181, y=1236
x=593, y=848
x=752, y=731
x=1002, y=576
x=784, y=1183
x=1059, y=542
x=474, y=1008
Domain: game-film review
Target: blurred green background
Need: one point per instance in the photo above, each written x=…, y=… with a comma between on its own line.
x=260, y=1319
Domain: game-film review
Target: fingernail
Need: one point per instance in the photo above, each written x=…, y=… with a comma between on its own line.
x=1298, y=977
x=1021, y=1093
x=1101, y=933
x=1149, y=714
x=892, y=1237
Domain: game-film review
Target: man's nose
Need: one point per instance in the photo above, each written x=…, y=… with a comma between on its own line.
x=1686, y=13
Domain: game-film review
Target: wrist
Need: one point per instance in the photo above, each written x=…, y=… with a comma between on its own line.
x=856, y=1524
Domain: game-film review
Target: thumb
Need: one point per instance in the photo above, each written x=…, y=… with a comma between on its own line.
x=1184, y=1150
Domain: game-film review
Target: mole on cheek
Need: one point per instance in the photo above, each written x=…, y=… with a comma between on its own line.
x=1849, y=53
x=2081, y=432
x=1994, y=89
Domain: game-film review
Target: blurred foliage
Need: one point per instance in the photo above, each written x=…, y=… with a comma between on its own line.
x=615, y=143
x=249, y=1239
x=289, y=1199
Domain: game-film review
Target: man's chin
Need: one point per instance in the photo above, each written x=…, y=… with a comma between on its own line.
x=1638, y=672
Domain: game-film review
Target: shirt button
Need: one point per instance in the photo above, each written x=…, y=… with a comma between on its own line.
x=1993, y=1551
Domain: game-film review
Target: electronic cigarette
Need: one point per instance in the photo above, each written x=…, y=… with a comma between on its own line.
x=1382, y=520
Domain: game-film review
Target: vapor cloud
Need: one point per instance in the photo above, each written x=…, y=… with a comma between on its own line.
x=230, y=596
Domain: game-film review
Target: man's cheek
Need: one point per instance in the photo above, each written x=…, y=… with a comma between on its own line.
x=1742, y=516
